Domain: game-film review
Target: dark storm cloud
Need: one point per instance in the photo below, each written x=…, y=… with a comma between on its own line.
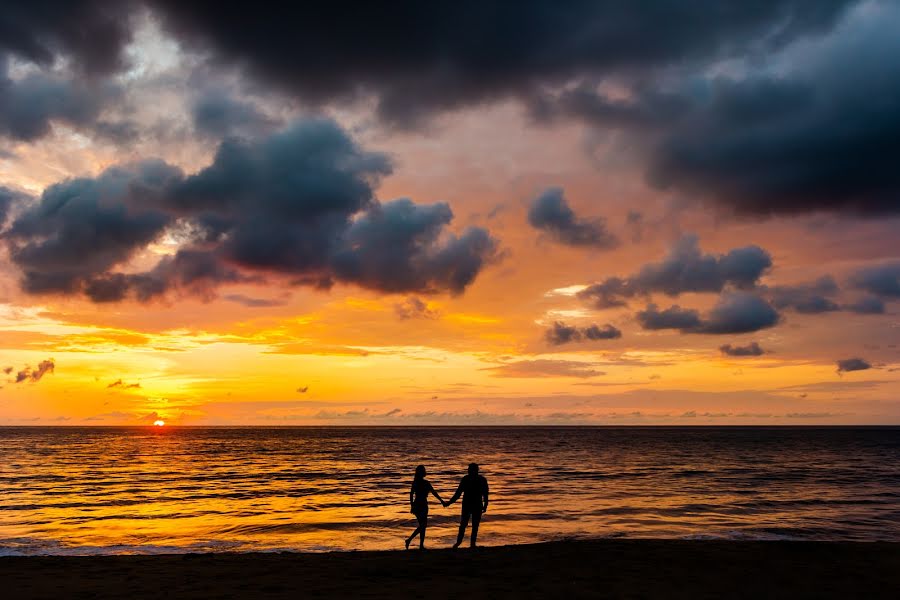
x=217, y=114
x=559, y=333
x=808, y=298
x=550, y=213
x=867, y=305
x=8, y=197
x=420, y=58
x=752, y=349
x=736, y=312
x=83, y=227
x=91, y=33
x=880, y=280
x=31, y=104
x=402, y=246
x=685, y=269
x=299, y=204
x=809, y=139
x=852, y=364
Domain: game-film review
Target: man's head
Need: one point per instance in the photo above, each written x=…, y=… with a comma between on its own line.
x=473, y=468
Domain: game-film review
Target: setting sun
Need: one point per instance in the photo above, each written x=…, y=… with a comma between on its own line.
x=159, y=423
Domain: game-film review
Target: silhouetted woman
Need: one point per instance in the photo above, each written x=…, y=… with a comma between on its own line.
x=418, y=501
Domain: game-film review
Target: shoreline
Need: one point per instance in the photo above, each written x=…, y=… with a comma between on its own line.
x=573, y=568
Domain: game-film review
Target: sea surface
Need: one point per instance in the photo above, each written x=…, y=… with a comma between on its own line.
x=109, y=490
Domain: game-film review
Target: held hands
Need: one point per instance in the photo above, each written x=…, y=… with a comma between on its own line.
x=445, y=504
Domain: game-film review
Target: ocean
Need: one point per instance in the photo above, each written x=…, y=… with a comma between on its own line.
x=146, y=490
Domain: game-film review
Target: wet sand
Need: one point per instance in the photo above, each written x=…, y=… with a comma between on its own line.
x=569, y=569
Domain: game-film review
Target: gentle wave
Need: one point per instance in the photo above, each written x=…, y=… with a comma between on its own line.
x=133, y=490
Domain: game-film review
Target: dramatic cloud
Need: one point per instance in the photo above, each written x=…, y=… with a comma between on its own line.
x=752, y=349
x=880, y=280
x=299, y=204
x=551, y=214
x=560, y=333
x=807, y=138
x=91, y=33
x=852, y=364
x=418, y=59
x=810, y=298
x=29, y=105
x=685, y=269
x=219, y=115
x=8, y=197
x=81, y=228
x=736, y=312
x=35, y=375
x=867, y=305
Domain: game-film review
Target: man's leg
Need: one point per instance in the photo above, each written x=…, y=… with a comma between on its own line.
x=463, y=523
x=476, y=520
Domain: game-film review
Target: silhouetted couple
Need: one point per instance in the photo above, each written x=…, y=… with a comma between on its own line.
x=474, y=491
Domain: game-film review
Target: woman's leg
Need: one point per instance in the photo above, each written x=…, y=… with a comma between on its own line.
x=410, y=538
x=423, y=525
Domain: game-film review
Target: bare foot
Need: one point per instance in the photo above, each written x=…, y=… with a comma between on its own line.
x=408, y=540
x=456, y=545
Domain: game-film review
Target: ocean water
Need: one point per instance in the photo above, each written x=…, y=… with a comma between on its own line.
x=67, y=490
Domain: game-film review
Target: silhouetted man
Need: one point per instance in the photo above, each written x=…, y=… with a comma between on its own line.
x=474, y=490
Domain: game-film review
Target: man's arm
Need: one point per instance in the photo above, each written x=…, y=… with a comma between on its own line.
x=456, y=494
x=484, y=480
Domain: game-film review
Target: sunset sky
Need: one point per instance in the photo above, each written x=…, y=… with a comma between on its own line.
x=450, y=213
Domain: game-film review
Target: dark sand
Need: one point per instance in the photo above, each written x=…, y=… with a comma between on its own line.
x=606, y=568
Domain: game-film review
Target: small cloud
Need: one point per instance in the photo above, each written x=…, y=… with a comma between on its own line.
x=7, y=370
x=560, y=333
x=551, y=214
x=546, y=368
x=752, y=349
x=251, y=302
x=118, y=383
x=35, y=375
x=303, y=389
x=414, y=308
x=852, y=364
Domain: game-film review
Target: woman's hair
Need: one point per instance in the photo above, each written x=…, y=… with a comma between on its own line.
x=420, y=472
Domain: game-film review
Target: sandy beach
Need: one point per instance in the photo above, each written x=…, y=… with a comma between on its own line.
x=603, y=568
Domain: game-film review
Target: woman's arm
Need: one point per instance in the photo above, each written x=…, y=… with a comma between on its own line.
x=412, y=491
x=436, y=495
